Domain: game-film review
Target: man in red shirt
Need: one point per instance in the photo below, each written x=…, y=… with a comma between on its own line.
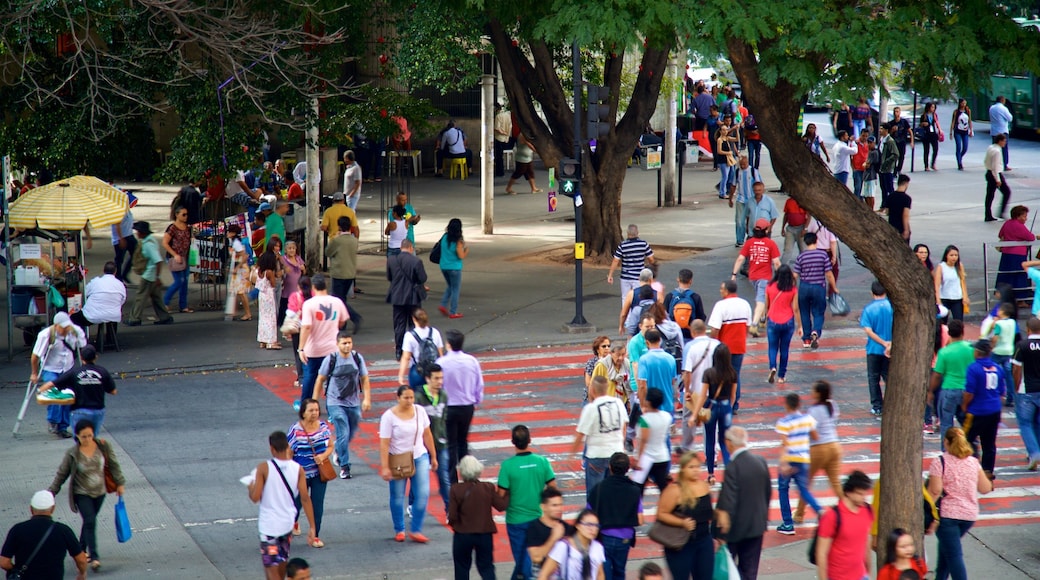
x=792, y=227
x=842, y=548
x=762, y=255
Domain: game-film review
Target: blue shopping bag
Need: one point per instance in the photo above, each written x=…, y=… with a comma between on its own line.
x=123, y=532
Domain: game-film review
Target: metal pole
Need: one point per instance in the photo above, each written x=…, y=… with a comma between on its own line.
x=658, y=187
x=579, y=317
x=313, y=233
x=5, y=175
x=913, y=124
x=487, y=166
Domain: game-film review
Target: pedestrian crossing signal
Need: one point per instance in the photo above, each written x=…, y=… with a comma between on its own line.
x=568, y=186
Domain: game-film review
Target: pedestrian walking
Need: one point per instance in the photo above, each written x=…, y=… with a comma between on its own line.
x=342, y=254
x=600, y=433
x=523, y=478
x=957, y=478
x=278, y=504
x=948, y=376
x=717, y=392
x=303, y=293
x=995, y=177
x=84, y=465
x=321, y=318
x=687, y=504
x=431, y=396
x=841, y=553
x=453, y=252
x=1000, y=119
x=470, y=518
x=177, y=242
x=815, y=275
x=782, y=318
x=405, y=429
x=312, y=443
x=464, y=385
x=53, y=354
x=729, y=323
x=742, y=511
x=876, y=321
x=930, y=134
x=796, y=429
x=984, y=389
x=825, y=450
x=408, y=289
x=89, y=382
x=951, y=286
x=36, y=548
x=600, y=349
x=697, y=357
x=1025, y=371
x=653, y=460
x=580, y=555
x=238, y=275
x=630, y=255
x=149, y=287
x=962, y=130
x=618, y=501
x=763, y=257
x=266, y=281
x=420, y=344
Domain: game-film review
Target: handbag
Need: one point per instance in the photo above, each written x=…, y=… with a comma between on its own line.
x=402, y=465
x=435, y=253
x=17, y=574
x=326, y=472
x=671, y=537
x=123, y=531
x=110, y=482
x=704, y=415
x=725, y=568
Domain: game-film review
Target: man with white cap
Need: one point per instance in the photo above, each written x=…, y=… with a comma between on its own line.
x=36, y=548
x=53, y=354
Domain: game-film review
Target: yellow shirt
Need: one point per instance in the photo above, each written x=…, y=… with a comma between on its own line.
x=330, y=221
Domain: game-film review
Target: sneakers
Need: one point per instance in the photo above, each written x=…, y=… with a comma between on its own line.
x=785, y=529
x=753, y=330
x=344, y=473
x=772, y=376
x=876, y=413
x=814, y=341
x=53, y=396
x=1033, y=465
x=806, y=344
x=296, y=529
x=929, y=429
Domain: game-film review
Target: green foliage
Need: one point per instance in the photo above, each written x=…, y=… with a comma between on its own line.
x=372, y=113
x=435, y=51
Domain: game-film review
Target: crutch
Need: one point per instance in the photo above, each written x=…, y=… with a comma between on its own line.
x=30, y=392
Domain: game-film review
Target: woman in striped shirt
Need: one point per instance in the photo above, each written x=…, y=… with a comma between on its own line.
x=312, y=442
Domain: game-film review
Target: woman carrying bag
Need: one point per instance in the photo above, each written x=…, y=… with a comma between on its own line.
x=453, y=251
x=91, y=465
x=687, y=504
x=312, y=442
x=407, y=455
x=177, y=243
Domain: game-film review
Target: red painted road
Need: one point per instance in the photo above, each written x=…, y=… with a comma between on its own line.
x=542, y=388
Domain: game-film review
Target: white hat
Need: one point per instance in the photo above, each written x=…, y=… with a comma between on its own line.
x=42, y=500
x=62, y=319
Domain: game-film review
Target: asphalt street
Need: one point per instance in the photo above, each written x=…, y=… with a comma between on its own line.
x=195, y=406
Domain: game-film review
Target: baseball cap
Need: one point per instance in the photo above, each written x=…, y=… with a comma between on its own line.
x=338, y=196
x=762, y=224
x=265, y=206
x=984, y=346
x=62, y=319
x=42, y=500
x=871, y=139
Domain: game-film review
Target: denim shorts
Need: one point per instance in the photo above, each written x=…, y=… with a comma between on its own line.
x=274, y=550
x=760, y=289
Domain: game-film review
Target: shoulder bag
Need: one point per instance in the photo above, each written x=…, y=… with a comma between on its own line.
x=17, y=574
x=435, y=252
x=110, y=482
x=671, y=537
x=288, y=488
x=326, y=472
x=402, y=465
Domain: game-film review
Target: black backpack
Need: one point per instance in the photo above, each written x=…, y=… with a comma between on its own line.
x=427, y=351
x=352, y=382
x=674, y=347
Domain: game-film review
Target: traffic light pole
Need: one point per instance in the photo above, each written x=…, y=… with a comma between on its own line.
x=579, y=324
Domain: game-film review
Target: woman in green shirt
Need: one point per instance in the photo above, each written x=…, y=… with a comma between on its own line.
x=453, y=251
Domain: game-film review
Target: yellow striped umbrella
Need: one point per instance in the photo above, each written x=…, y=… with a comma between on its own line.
x=68, y=204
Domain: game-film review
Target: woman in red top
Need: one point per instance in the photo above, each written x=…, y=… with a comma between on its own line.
x=781, y=319
x=1010, y=270
x=900, y=556
x=793, y=226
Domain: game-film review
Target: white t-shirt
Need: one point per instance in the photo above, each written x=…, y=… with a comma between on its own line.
x=405, y=434
x=569, y=560
x=658, y=423
x=697, y=358
x=232, y=187
x=352, y=177
x=603, y=424
x=411, y=345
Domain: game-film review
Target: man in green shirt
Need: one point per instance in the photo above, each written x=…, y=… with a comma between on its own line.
x=149, y=289
x=946, y=388
x=433, y=398
x=275, y=225
x=523, y=477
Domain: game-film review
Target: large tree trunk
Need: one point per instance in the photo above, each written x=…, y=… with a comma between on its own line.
x=910, y=289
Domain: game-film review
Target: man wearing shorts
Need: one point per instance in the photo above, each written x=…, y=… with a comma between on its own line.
x=275, y=486
x=762, y=255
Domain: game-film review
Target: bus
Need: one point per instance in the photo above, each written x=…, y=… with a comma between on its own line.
x=1022, y=91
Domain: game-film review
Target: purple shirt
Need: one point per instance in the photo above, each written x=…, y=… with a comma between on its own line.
x=463, y=381
x=812, y=267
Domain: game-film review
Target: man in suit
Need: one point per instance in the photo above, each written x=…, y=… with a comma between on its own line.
x=742, y=511
x=408, y=289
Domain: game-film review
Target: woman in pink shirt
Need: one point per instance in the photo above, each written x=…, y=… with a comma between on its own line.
x=957, y=478
x=1010, y=270
x=781, y=319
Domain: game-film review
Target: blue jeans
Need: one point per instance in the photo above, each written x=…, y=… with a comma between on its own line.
x=420, y=483
x=857, y=182
x=754, y=152
x=724, y=172
x=310, y=376
x=180, y=285
x=393, y=252
x=595, y=471
x=877, y=369
x=740, y=219
x=442, y=475
x=316, y=488
x=842, y=177
x=721, y=418
x=951, y=554
x=948, y=407
x=56, y=414
x=800, y=475
x=352, y=201
x=738, y=361
x=95, y=416
x=779, y=337
x=518, y=545
x=812, y=306
x=616, y=551
x=961, y=141
x=1027, y=410
x=345, y=421
x=1004, y=362
x=450, y=300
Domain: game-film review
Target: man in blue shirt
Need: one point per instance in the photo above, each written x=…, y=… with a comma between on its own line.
x=1000, y=119
x=984, y=388
x=876, y=321
x=656, y=370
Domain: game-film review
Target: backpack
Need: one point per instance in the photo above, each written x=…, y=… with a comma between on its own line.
x=837, y=527
x=681, y=309
x=674, y=347
x=435, y=252
x=352, y=381
x=139, y=263
x=427, y=351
